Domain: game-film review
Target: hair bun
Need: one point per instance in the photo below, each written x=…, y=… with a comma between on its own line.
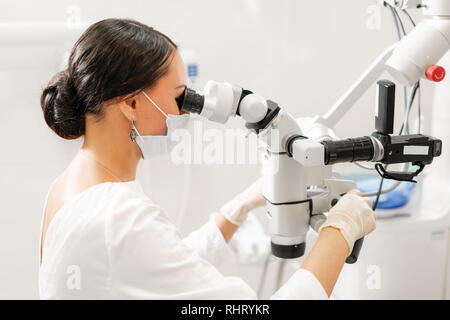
x=62, y=111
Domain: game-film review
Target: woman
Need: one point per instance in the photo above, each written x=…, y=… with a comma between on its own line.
x=102, y=237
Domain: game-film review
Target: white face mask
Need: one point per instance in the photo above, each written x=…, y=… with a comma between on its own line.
x=152, y=146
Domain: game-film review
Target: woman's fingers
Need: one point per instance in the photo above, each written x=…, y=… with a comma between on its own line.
x=355, y=191
x=358, y=193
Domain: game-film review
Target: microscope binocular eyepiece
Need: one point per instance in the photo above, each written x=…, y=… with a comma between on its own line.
x=190, y=101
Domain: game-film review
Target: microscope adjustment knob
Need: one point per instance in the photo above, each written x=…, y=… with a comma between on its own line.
x=435, y=73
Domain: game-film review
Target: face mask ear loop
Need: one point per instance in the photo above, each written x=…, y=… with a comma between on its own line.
x=149, y=99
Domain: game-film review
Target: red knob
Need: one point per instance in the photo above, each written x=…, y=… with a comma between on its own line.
x=435, y=73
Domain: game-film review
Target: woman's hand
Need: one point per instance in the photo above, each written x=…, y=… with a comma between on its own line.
x=349, y=220
x=236, y=210
x=353, y=216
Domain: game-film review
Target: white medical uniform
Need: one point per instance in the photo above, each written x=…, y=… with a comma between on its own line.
x=112, y=242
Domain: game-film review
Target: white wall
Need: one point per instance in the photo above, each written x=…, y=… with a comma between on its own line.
x=302, y=54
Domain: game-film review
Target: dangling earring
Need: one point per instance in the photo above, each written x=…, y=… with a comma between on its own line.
x=132, y=131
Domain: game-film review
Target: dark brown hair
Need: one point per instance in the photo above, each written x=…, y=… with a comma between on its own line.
x=112, y=58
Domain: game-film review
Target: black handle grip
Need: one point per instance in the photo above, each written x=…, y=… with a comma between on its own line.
x=353, y=257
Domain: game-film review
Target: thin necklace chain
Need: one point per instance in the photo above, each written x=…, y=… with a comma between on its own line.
x=101, y=164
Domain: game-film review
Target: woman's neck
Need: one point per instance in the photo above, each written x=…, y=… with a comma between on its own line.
x=112, y=149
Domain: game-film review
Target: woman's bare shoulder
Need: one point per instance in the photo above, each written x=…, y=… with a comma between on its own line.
x=76, y=178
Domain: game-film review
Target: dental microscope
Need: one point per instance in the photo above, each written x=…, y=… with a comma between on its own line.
x=297, y=177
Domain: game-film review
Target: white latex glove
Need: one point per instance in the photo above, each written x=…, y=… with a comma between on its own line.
x=237, y=209
x=353, y=216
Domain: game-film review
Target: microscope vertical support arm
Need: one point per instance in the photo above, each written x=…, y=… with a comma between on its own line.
x=364, y=82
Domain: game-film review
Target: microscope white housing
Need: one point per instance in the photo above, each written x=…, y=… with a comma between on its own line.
x=417, y=53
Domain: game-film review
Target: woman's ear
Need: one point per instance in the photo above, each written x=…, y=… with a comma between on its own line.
x=128, y=108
